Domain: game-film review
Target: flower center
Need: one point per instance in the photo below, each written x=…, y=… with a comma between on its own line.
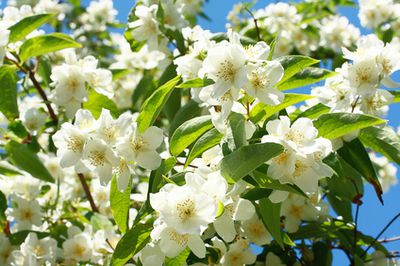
x=186, y=209
x=97, y=158
x=178, y=238
x=226, y=71
x=75, y=144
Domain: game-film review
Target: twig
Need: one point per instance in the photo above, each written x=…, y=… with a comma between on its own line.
x=386, y=240
x=353, y=106
x=381, y=232
x=255, y=23
x=87, y=192
x=358, y=202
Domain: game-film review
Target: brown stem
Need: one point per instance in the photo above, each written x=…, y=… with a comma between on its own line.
x=386, y=240
x=31, y=74
x=255, y=24
x=87, y=192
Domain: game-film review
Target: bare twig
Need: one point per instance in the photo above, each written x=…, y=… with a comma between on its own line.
x=387, y=240
x=381, y=232
x=87, y=192
x=255, y=24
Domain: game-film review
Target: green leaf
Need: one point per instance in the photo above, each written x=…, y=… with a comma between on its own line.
x=100, y=222
x=307, y=76
x=154, y=104
x=341, y=206
x=354, y=153
x=383, y=140
x=266, y=182
x=293, y=64
x=25, y=26
x=178, y=260
x=3, y=208
x=190, y=110
x=120, y=202
x=396, y=95
x=130, y=244
x=7, y=170
x=189, y=132
x=44, y=70
x=334, y=125
x=262, y=111
x=322, y=254
x=25, y=159
x=195, y=83
x=96, y=102
x=244, y=160
x=45, y=44
x=206, y=141
x=237, y=123
x=270, y=214
x=120, y=73
x=314, y=111
x=8, y=92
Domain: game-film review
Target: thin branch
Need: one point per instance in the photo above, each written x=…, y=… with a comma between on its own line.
x=387, y=240
x=381, y=232
x=87, y=192
x=255, y=24
x=358, y=202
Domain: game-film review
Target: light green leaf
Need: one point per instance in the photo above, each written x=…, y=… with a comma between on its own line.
x=190, y=110
x=195, y=83
x=25, y=159
x=307, y=76
x=237, y=124
x=96, y=102
x=334, y=125
x=382, y=140
x=314, y=111
x=178, y=260
x=293, y=64
x=205, y=142
x=3, y=208
x=188, y=133
x=130, y=244
x=45, y=44
x=244, y=160
x=154, y=104
x=262, y=111
x=270, y=214
x=354, y=154
x=25, y=26
x=8, y=92
x=120, y=202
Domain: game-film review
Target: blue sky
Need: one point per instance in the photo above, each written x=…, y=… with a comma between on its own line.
x=372, y=216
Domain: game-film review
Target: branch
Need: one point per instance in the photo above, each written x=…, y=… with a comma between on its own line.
x=381, y=232
x=255, y=23
x=87, y=192
x=387, y=240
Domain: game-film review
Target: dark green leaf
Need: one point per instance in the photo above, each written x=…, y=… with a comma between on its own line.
x=130, y=244
x=270, y=214
x=188, y=111
x=120, y=202
x=237, y=124
x=154, y=104
x=205, y=142
x=8, y=92
x=25, y=159
x=189, y=132
x=244, y=160
x=334, y=125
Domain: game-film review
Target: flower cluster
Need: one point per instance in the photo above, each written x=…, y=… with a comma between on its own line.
x=107, y=145
x=357, y=86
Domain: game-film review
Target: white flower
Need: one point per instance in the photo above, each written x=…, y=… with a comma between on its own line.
x=387, y=172
x=295, y=209
x=100, y=158
x=239, y=254
x=147, y=59
x=273, y=259
x=70, y=87
x=363, y=75
x=78, y=246
x=111, y=130
x=5, y=250
x=172, y=243
x=101, y=80
x=25, y=213
x=146, y=26
x=225, y=64
x=374, y=12
x=39, y=251
x=254, y=230
x=34, y=119
x=141, y=147
x=152, y=255
x=185, y=210
x=377, y=103
x=4, y=34
x=262, y=80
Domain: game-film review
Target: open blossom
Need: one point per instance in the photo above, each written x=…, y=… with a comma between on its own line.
x=301, y=162
x=262, y=81
x=239, y=254
x=141, y=147
x=146, y=26
x=36, y=251
x=225, y=64
x=25, y=213
x=79, y=245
